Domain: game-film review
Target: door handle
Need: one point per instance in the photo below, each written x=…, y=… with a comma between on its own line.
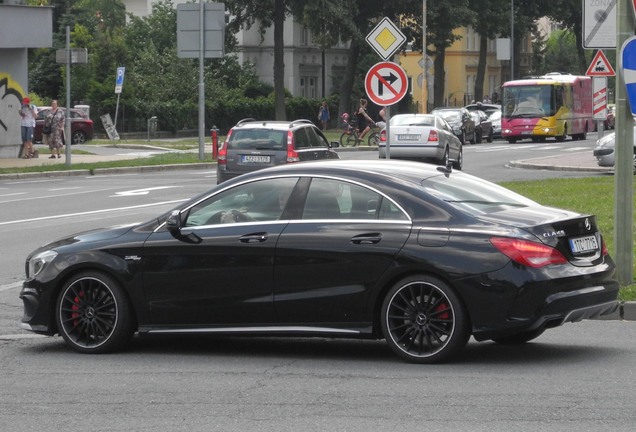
x=367, y=239
x=254, y=238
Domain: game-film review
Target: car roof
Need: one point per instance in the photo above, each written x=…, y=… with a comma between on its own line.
x=272, y=124
x=391, y=169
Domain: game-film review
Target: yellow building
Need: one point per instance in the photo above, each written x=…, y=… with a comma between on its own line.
x=462, y=58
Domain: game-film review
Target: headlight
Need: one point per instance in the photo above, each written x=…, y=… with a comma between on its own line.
x=39, y=261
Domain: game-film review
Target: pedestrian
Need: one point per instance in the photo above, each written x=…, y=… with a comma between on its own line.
x=323, y=115
x=363, y=119
x=28, y=113
x=55, y=120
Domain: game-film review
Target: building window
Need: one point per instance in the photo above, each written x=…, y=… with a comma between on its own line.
x=305, y=36
x=409, y=82
x=308, y=86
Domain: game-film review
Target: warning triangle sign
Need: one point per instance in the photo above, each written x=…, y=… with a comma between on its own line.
x=600, y=66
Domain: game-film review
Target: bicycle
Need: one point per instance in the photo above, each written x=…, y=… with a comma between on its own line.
x=351, y=136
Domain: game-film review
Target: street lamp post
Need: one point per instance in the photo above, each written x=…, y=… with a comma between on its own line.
x=424, y=80
x=512, y=40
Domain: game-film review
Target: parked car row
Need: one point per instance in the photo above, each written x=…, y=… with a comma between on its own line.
x=81, y=125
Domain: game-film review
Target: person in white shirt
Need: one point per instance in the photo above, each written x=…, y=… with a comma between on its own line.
x=28, y=114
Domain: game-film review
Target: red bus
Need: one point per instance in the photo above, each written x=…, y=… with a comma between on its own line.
x=550, y=106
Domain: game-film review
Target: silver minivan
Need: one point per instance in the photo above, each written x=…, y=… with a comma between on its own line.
x=252, y=145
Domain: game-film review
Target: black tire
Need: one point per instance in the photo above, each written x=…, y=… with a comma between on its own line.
x=343, y=139
x=512, y=140
x=459, y=163
x=374, y=139
x=78, y=137
x=520, y=338
x=352, y=140
x=424, y=321
x=93, y=314
x=444, y=160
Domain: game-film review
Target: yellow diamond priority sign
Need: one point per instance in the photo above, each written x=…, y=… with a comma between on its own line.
x=386, y=38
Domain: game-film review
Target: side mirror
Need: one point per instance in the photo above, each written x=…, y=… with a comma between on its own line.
x=334, y=144
x=173, y=223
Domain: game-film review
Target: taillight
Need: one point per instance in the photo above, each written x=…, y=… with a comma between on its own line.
x=292, y=156
x=383, y=136
x=432, y=136
x=221, y=157
x=528, y=253
x=604, y=250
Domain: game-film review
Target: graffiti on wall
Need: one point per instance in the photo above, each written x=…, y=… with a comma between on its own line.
x=11, y=95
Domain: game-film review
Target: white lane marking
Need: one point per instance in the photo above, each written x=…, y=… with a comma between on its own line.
x=13, y=194
x=22, y=336
x=572, y=149
x=10, y=286
x=19, y=221
x=136, y=192
x=41, y=197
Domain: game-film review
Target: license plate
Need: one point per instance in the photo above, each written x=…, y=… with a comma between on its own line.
x=408, y=137
x=254, y=159
x=583, y=244
x=526, y=132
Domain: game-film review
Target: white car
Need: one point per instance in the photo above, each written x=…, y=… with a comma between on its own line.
x=426, y=137
x=495, y=118
x=604, y=150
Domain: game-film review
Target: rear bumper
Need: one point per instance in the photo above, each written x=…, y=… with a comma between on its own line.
x=559, y=308
x=411, y=151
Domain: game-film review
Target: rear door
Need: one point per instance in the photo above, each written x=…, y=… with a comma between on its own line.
x=310, y=146
x=330, y=260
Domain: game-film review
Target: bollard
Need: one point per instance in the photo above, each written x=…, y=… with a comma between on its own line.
x=214, y=132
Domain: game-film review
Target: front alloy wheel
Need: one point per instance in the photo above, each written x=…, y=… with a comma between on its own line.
x=424, y=321
x=93, y=315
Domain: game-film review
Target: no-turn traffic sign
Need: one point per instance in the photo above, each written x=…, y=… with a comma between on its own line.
x=386, y=83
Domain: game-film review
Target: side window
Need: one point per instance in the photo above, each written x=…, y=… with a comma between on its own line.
x=258, y=201
x=334, y=199
x=312, y=137
x=300, y=139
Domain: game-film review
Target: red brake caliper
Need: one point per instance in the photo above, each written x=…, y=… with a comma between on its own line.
x=76, y=307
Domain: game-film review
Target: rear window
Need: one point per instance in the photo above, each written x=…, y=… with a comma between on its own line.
x=473, y=195
x=258, y=139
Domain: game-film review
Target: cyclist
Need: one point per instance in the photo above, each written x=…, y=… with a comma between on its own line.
x=364, y=121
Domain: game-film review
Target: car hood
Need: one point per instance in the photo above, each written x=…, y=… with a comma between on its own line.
x=91, y=236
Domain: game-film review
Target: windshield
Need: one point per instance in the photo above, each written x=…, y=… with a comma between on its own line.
x=528, y=101
x=474, y=195
x=449, y=115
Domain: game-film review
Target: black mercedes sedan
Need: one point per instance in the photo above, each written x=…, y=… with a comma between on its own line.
x=419, y=255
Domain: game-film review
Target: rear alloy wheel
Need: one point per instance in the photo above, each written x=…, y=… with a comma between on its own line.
x=93, y=314
x=78, y=137
x=424, y=321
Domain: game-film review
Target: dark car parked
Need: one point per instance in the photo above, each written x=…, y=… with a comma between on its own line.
x=419, y=255
x=252, y=145
x=461, y=121
x=483, y=126
x=81, y=126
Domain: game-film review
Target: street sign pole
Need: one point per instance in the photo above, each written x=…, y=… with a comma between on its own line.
x=67, y=122
x=623, y=165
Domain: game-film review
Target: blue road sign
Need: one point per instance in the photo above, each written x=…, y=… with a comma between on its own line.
x=119, y=81
x=628, y=66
